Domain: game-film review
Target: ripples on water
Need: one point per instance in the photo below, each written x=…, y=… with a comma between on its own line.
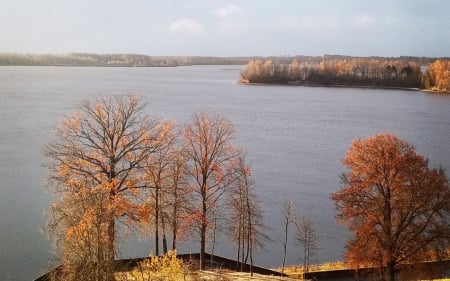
x=294, y=137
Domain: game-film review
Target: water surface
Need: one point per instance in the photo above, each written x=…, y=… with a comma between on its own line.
x=294, y=137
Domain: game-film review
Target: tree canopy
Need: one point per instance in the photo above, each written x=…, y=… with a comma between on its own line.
x=397, y=207
x=95, y=165
x=210, y=161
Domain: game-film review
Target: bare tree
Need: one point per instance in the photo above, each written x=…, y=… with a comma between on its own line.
x=247, y=229
x=209, y=160
x=308, y=237
x=287, y=217
x=98, y=156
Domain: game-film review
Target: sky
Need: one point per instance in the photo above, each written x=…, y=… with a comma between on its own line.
x=227, y=27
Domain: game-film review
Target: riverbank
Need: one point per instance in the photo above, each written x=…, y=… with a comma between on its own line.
x=313, y=84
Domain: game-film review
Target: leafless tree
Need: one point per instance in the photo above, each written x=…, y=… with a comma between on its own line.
x=307, y=236
x=287, y=217
x=247, y=228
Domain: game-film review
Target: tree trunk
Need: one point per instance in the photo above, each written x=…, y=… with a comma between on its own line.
x=285, y=246
x=238, y=249
x=203, y=227
x=250, y=230
x=110, y=251
x=213, y=242
x=164, y=237
x=202, y=246
x=174, y=220
x=391, y=271
x=251, y=258
x=156, y=221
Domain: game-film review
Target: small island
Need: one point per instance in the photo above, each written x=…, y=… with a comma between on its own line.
x=336, y=71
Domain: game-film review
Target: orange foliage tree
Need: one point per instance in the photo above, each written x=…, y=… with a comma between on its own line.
x=167, y=196
x=95, y=164
x=156, y=176
x=437, y=77
x=395, y=205
x=209, y=167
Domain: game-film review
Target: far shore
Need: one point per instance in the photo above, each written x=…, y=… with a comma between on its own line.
x=311, y=84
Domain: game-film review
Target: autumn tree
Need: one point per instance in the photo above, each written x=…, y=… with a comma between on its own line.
x=437, y=77
x=348, y=71
x=246, y=227
x=95, y=165
x=294, y=70
x=179, y=195
x=159, y=180
x=306, y=234
x=77, y=225
x=209, y=167
x=395, y=205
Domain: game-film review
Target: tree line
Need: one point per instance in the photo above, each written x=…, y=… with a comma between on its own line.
x=376, y=72
x=115, y=168
x=111, y=60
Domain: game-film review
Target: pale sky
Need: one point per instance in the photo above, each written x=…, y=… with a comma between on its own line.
x=227, y=27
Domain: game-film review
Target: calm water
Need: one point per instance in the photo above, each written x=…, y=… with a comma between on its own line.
x=294, y=136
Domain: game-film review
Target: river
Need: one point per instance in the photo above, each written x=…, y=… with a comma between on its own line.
x=294, y=138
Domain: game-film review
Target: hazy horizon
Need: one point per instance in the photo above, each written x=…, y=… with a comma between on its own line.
x=227, y=28
x=237, y=56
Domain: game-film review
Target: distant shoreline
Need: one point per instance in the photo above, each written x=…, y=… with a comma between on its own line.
x=311, y=84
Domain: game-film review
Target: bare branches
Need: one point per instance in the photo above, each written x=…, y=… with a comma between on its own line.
x=209, y=164
x=287, y=214
x=246, y=228
x=307, y=236
x=96, y=165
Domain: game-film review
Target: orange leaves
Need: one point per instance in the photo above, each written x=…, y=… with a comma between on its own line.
x=438, y=76
x=391, y=201
x=70, y=125
x=378, y=159
x=96, y=165
x=209, y=154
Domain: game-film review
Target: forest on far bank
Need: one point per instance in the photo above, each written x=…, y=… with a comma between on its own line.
x=365, y=72
x=139, y=60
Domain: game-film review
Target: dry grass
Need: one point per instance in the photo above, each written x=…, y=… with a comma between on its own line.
x=297, y=271
x=227, y=275
x=215, y=275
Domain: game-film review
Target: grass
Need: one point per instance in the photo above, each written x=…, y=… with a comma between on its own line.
x=296, y=271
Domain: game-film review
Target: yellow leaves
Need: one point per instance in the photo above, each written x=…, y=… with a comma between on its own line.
x=439, y=72
x=166, y=267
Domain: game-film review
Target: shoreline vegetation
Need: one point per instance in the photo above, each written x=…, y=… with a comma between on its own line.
x=374, y=73
x=114, y=60
x=400, y=73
